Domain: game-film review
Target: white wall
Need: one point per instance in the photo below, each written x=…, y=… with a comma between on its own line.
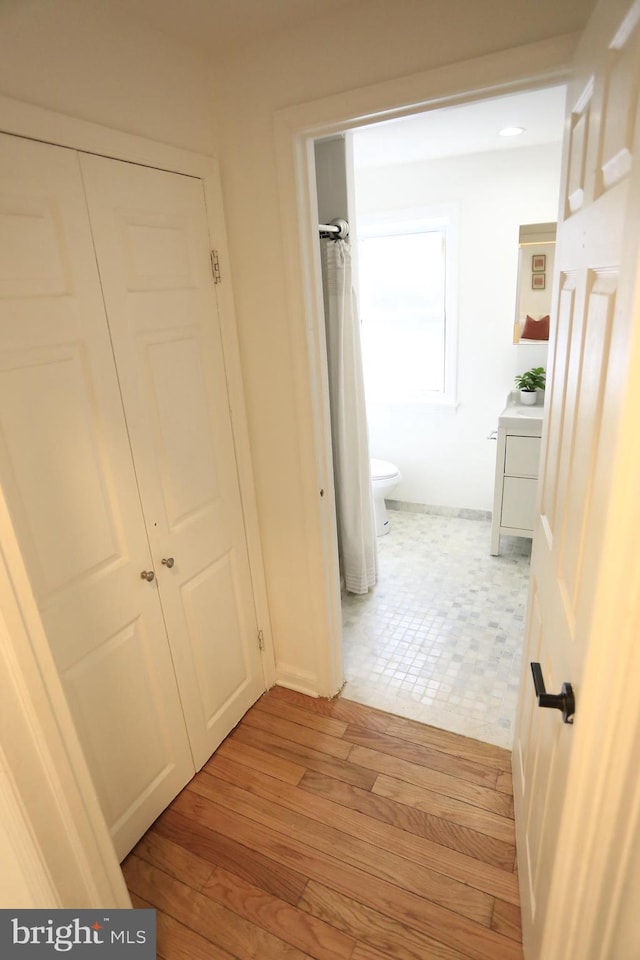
x=93, y=60
x=443, y=453
x=331, y=179
x=90, y=59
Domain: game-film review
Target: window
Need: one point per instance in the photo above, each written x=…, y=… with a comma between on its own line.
x=405, y=307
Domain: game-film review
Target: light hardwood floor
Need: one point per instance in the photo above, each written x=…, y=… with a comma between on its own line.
x=328, y=829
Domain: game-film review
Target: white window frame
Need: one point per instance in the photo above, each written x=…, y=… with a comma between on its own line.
x=443, y=218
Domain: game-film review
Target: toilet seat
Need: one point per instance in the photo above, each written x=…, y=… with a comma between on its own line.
x=383, y=470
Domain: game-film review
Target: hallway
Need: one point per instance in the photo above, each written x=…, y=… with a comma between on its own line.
x=327, y=829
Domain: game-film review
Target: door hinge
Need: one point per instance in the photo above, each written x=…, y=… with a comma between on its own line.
x=260, y=640
x=215, y=266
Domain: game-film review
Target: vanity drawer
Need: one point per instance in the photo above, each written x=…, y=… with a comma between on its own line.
x=519, y=503
x=522, y=456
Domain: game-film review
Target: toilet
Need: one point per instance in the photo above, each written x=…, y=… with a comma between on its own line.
x=384, y=478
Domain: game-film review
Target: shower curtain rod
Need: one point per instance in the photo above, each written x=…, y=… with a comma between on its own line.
x=338, y=229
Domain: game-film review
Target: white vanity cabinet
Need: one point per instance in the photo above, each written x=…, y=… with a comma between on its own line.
x=516, y=481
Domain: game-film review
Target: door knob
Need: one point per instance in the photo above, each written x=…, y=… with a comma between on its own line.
x=147, y=575
x=564, y=700
x=168, y=562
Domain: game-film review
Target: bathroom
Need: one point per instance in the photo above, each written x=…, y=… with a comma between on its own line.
x=448, y=171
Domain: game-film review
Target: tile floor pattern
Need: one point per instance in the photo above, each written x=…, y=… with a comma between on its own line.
x=439, y=639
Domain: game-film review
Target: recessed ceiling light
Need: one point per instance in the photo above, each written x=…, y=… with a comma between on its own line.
x=511, y=131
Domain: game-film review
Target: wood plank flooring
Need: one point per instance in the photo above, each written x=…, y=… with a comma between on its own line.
x=329, y=830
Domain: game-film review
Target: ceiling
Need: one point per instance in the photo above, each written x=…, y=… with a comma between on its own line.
x=216, y=26
x=469, y=128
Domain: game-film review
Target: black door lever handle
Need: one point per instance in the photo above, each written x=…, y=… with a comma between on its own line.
x=564, y=701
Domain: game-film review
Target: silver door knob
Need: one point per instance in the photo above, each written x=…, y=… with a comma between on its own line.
x=168, y=561
x=147, y=575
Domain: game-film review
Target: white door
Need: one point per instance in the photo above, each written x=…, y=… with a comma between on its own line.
x=152, y=242
x=67, y=472
x=598, y=246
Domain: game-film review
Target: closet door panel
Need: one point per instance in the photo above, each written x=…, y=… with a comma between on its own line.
x=59, y=441
x=151, y=235
x=117, y=684
x=210, y=597
x=66, y=468
x=175, y=381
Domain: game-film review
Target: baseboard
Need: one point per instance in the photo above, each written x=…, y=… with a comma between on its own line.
x=463, y=513
x=298, y=680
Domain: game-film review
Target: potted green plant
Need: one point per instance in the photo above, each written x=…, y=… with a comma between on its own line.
x=529, y=382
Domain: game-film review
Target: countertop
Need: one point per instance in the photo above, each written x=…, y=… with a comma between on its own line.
x=522, y=420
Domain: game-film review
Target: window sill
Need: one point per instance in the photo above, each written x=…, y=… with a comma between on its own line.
x=439, y=402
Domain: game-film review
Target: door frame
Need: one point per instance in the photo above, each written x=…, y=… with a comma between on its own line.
x=604, y=795
x=78, y=865
x=536, y=65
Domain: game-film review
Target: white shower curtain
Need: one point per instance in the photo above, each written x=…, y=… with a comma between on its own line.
x=351, y=466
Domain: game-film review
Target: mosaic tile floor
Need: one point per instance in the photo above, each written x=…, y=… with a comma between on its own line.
x=439, y=639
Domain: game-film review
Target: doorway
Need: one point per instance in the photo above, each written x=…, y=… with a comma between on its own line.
x=439, y=638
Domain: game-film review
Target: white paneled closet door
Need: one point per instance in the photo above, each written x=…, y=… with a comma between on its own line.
x=152, y=242
x=66, y=468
